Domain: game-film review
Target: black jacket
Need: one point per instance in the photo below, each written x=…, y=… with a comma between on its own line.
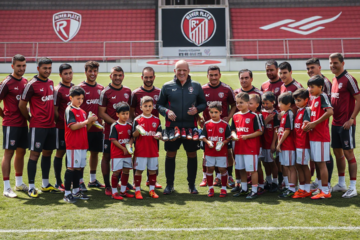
x=179, y=99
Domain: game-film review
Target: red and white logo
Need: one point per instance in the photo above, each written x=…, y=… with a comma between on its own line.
x=221, y=94
x=66, y=24
x=198, y=26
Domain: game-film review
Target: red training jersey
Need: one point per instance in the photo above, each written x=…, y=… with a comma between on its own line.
x=291, y=87
x=287, y=123
x=222, y=94
x=122, y=134
x=245, y=124
x=301, y=137
x=139, y=93
x=254, y=90
x=274, y=87
x=61, y=100
x=40, y=95
x=10, y=92
x=147, y=145
x=216, y=132
x=343, y=90
x=91, y=101
x=75, y=139
x=269, y=128
x=110, y=98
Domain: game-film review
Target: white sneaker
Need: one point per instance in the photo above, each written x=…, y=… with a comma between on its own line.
x=141, y=130
x=350, y=193
x=9, y=193
x=129, y=148
x=22, y=187
x=234, y=136
x=98, y=125
x=219, y=145
x=314, y=186
x=339, y=188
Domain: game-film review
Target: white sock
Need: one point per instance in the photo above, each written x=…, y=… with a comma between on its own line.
x=307, y=187
x=81, y=180
x=269, y=179
x=67, y=193
x=302, y=187
x=292, y=187
x=329, y=184
x=211, y=187
x=152, y=187
x=244, y=186
x=261, y=186
x=31, y=186
x=275, y=180
x=114, y=190
x=238, y=181
x=342, y=181
x=6, y=184
x=137, y=188
x=92, y=177
x=123, y=188
x=218, y=175
x=254, y=188
x=353, y=184
x=318, y=182
x=204, y=174
x=75, y=190
x=223, y=187
x=45, y=182
x=18, y=181
x=325, y=189
x=286, y=181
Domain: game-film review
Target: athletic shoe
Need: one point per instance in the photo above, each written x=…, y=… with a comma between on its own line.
x=177, y=132
x=141, y=130
x=193, y=190
x=241, y=193
x=301, y=194
x=273, y=188
x=314, y=186
x=217, y=182
x=219, y=145
x=260, y=191
x=33, y=193
x=69, y=198
x=126, y=195
x=189, y=134
x=171, y=135
x=22, y=187
x=237, y=188
x=195, y=134
x=223, y=193
x=267, y=186
x=350, y=193
x=138, y=195
x=183, y=133
x=50, y=188
x=211, y=192
x=165, y=136
x=297, y=193
x=158, y=186
x=210, y=144
x=116, y=196
x=339, y=188
x=203, y=183
x=81, y=195
x=108, y=191
x=231, y=182
x=98, y=125
x=252, y=195
x=129, y=148
x=286, y=194
x=129, y=186
x=168, y=190
x=95, y=183
x=321, y=195
x=315, y=191
x=82, y=187
x=234, y=136
x=60, y=187
x=9, y=193
x=153, y=194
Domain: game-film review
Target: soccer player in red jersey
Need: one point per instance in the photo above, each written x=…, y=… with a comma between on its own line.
x=245, y=129
x=302, y=143
x=61, y=102
x=39, y=92
x=15, y=128
x=95, y=135
x=319, y=134
x=146, y=130
x=216, y=134
x=112, y=95
x=274, y=83
x=217, y=91
x=345, y=100
x=76, y=126
x=121, y=161
x=286, y=145
x=271, y=123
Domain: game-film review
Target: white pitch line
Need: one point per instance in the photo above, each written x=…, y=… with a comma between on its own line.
x=331, y=228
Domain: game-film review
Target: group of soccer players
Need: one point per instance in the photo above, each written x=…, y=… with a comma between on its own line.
x=281, y=125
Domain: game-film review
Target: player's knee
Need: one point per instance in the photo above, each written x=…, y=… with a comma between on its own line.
x=170, y=154
x=223, y=171
x=210, y=169
x=191, y=154
x=47, y=153
x=152, y=172
x=34, y=155
x=126, y=170
x=8, y=153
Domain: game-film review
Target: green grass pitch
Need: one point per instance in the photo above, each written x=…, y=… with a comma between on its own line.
x=179, y=210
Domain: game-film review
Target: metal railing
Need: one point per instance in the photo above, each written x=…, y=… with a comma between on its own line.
x=293, y=48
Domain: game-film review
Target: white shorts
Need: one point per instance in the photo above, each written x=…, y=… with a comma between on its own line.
x=247, y=162
x=76, y=158
x=266, y=156
x=216, y=161
x=287, y=158
x=120, y=163
x=320, y=151
x=302, y=156
x=141, y=163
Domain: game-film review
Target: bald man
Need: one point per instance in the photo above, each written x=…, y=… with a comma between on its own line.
x=180, y=101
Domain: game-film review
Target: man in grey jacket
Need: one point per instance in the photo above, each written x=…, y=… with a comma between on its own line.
x=180, y=101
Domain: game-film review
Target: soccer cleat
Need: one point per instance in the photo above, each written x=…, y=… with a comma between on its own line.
x=129, y=186
x=108, y=191
x=350, y=193
x=260, y=191
x=210, y=144
x=183, y=133
x=267, y=186
x=211, y=192
x=22, y=187
x=141, y=130
x=165, y=136
x=168, y=190
x=60, y=187
x=98, y=125
x=193, y=190
x=138, y=195
x=241, y=193
x=273, y=188
x=252, y=195
x=234, y=136
x=231, y=182
x=195, y=134
x=69, y=198
x=237, y=188
x=95, y=183
x=223, y=193
x=339, y=188
x=217, y=182
x=33, y=193
x=321, y=195
x=301, y=194
x=203, y=183
x=81, y=195
x=153, y=194
x=219, y=145
x=129, y=148
x=189, y=134
x=315, y=191
x=50, y=188
x=177, y=132
x=126, y=195
x=314, y=186
x=171, y=135
x=286, y=194
x=82, y=187
x=158, y=186
x=116, y=196
x=9, y=193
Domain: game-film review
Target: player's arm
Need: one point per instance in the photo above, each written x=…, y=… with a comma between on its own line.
x=3, y=92
x=282, y=139
x=135, y=132
x=132, y=114
x=231, y=113
x=273, y=143
x=105, y=116
x=25, y=98
x=1, y=111
x=118, y=145
x=350, y=122
x=23, y=109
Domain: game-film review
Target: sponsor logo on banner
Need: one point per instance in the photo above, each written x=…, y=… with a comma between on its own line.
x=198, y=26
x=66, y=24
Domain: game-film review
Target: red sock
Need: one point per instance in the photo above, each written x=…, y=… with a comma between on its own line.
x=6, y=178
x=224, y=178
x=152, y=180
x=18, y=174
x=210, y=179
x=124, y=179
x=114, y=181
x=137, y=179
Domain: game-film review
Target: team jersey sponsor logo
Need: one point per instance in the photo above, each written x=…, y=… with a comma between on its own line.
x=221, y=94
x=66, y=24
x=92, y=101
x=114, y=97
x=313, y=113
x=215, y=138
x=87, y=92
x=218, y=102
x=269, y=125
x=221, y=130
x=174, y=89
x=115, y=105
x=198, y=26
x=340, y=85
x=247, y=120
x=242, y=129
x=47, y=98
x=123, y=141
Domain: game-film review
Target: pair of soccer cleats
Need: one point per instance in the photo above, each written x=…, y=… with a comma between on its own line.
x=34, y=193
x=11, y=194
x=121, y=196
x=189, y=134
x=217, y=182
x=211, y=193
